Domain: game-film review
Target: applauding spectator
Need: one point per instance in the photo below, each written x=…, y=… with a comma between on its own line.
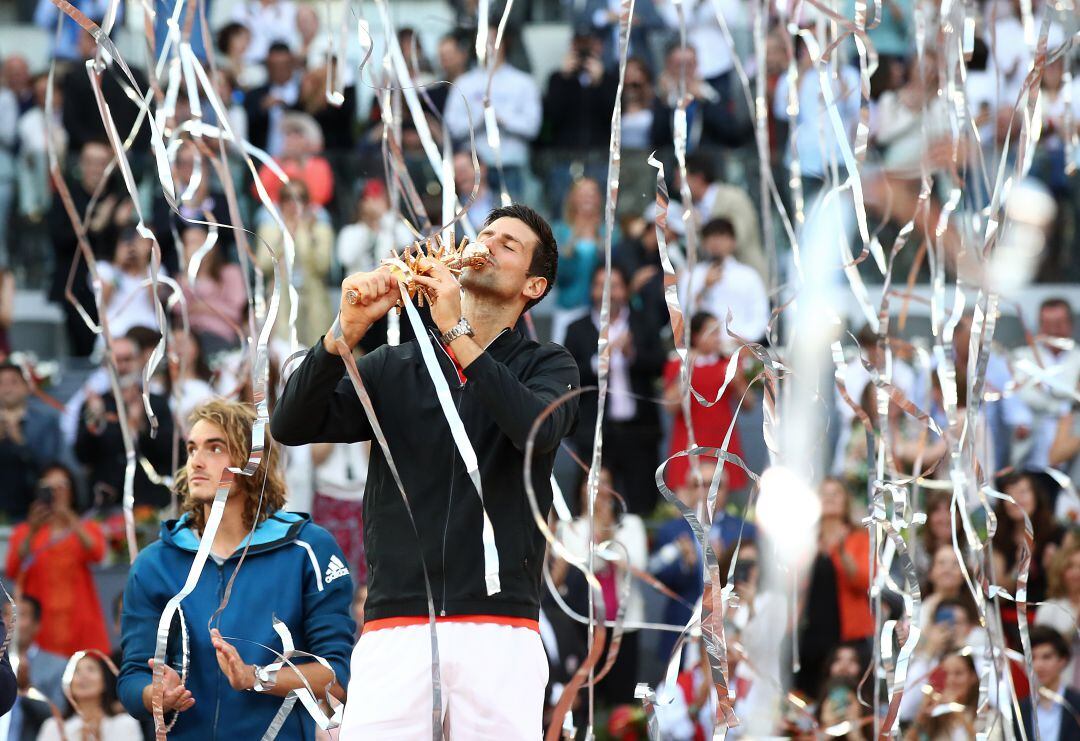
x=720, y=284
x=54, y=546
x=1047, y=374
x=632, y=419
x=94, y=715
x=29, y=438
x=1050, y=655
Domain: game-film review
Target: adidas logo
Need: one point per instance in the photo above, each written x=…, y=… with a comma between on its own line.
x=335, y=569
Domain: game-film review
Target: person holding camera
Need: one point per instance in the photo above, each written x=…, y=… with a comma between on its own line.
x=49, y=559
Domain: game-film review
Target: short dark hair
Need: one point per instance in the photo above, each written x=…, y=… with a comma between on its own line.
x=718, y=227
x=7, y=365
x=700, y=163
x=277, y=47
x=35, y=605
x=1056, y=302
x=227, y=33
x=698, y=322
x=1044, y=635
x=545, y=256
x=143, y=337
x=615, y=268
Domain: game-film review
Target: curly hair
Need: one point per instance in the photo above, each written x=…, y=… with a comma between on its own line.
x=236, y=419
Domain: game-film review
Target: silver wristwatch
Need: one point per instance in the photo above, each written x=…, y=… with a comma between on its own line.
x=265, y=677
x=461, y=329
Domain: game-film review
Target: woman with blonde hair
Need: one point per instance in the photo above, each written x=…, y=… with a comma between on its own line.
x=1062, y=610
x=580, y=237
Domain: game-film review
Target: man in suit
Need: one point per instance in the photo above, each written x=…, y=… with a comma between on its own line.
x=1057, y=721
x=267, y=104
x=1047, y=373
x=20, y=716
x=632, y=419
x=40, y=669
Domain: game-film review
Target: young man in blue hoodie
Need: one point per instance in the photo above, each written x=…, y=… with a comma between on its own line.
x=292, y=573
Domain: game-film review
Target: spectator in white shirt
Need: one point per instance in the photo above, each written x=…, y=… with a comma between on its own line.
x=376, y=231
x=1046, y=373
x=515, y=100
x=715, y=55
x=126, y=294
x=269, y=21
x=720, y=284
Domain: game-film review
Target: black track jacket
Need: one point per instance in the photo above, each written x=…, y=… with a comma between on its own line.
x=508, y=387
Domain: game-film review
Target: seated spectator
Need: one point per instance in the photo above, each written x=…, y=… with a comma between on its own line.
x=43, y=670
x=515, y=100
x=1032, y=501
x=1065, y=449
x=127, y=294
x=937, y=533
x=612, y=564
x=713, y=425
x=631, y=420
x=715, y=55
x=101, y=233
x=639, y=102
x=1046, y=382
x=1062, y=609
x=639, y=255
x=465, y=178
x=580, y=98
x=945, y=580
x=66, y=47
x=454, y=55
x=336, y=122
x=270, y=22
x=198, y=198
x=300, y=158
x=817, y=145
x=712, y=199
x=99, y=443
x=837, y=607
x=29, y=439
x=340, y=476
x=80, y=104
x=676, y=556
x=189, y=375
x=959, y=691
x=314, y=248
x=720, y=284
x=1056, y=721
x=847, y=661
x=35, y=192
x=839, y=703
x=54, y=546
x=374, y=232
x=579, y=234
x=217, y=300
x=93, y=688
x=715, y=117
x=267, y=104
x=233, y=41
x=7, y=310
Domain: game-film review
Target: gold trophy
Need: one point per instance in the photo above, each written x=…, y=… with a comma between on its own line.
x=407, y=264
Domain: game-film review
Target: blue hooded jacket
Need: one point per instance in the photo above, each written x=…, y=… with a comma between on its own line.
x=294, y=570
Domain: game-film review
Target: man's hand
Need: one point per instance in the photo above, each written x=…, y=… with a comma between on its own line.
x=176, y=696
x=241, y=676
x=687, y=550
x=377, y=293
x=445, y=293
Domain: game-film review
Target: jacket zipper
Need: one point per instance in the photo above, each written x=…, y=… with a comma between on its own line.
x=453, y=465
x=217, y=697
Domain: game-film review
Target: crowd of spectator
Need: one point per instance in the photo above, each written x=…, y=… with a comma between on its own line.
x=66, y=464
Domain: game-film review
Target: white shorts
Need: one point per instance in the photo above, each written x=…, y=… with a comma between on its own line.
x=493, y=679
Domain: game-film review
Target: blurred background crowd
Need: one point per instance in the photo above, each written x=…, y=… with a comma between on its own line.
x=62, y=453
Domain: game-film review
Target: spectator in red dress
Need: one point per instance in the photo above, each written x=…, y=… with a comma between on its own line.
x=710, y=423
x=49, y=558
